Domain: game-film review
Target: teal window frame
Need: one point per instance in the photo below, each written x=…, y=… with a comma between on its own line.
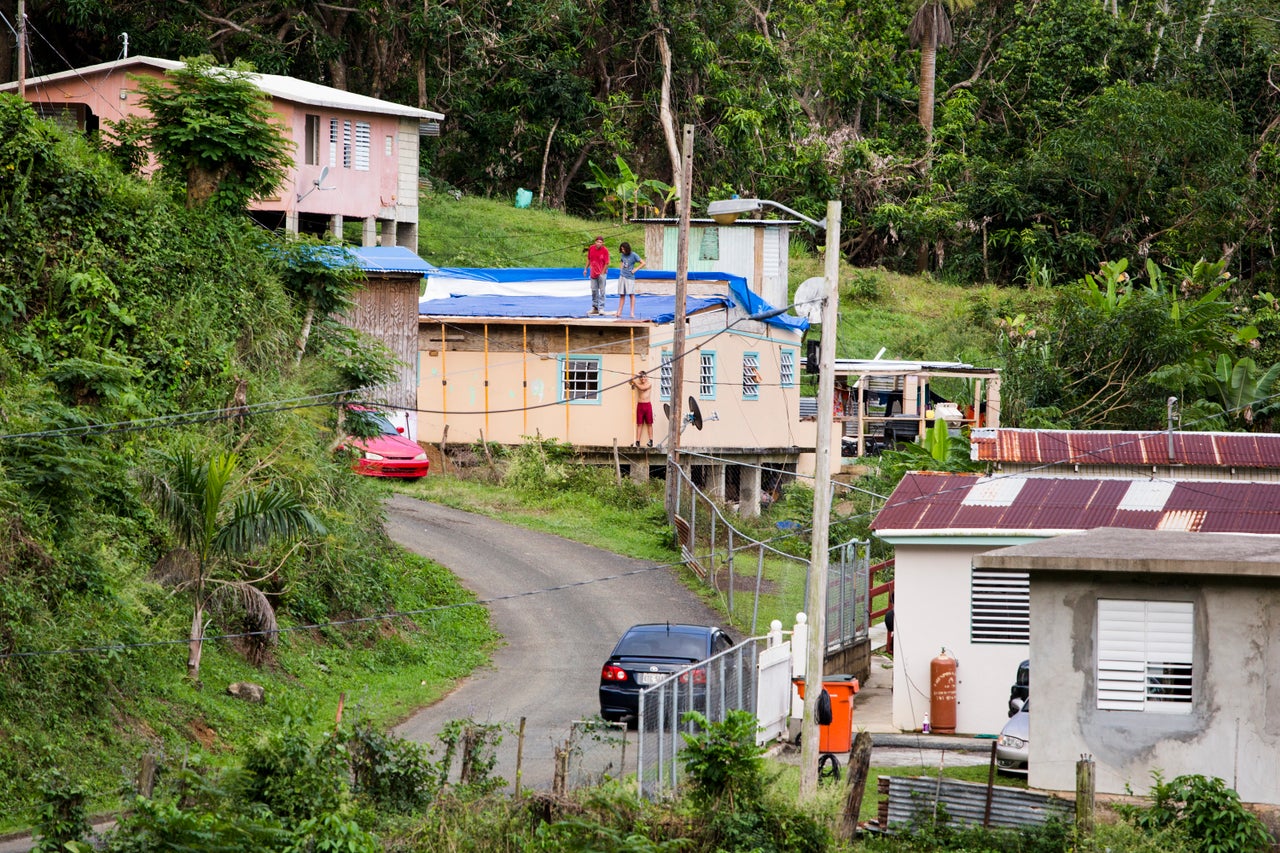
x=664, y=376
x=706, y=375
x=787, y=367
x=750, y=390
x=587, y=397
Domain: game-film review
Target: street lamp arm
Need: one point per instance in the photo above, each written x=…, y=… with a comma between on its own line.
x=727, y=210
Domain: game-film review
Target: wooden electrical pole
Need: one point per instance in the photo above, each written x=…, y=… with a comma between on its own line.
x=816, y=602
x=678, y=338
x=22, y=49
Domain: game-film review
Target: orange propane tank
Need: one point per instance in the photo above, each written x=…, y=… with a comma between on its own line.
x=942, y=693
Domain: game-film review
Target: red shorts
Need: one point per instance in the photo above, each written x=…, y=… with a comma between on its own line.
x=644, y=413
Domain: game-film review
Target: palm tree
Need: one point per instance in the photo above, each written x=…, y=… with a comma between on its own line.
x=930, y=28
x=217, y=519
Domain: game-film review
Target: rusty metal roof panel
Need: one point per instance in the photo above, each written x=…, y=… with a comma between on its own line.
x=942, y=502
x=1088, y=447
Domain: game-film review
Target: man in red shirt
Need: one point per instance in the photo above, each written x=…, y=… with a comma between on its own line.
x=598, y=268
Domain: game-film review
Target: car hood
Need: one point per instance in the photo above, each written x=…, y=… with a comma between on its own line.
x=1019, y=726
x=389, y=446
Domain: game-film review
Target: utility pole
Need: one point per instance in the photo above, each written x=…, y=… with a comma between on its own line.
x=816, y=601
x=678, y=339
x=22, y=49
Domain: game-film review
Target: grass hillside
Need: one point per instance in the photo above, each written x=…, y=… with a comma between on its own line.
x=909, y=316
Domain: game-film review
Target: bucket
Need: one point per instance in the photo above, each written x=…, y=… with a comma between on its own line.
x=524, y=197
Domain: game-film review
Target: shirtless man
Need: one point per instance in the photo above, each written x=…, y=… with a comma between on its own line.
x=644, y=409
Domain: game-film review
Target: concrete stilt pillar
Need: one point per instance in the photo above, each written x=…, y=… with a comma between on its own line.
x=291, y=222
x=640, y=467
x=386, y=232
x=369, y=234
x=749, y=491
x=715, y=481
x=335, y=225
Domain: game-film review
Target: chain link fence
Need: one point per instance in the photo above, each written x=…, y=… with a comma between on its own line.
x=720, y=684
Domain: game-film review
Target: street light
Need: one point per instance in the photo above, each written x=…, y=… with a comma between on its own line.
x=724, y=213
x=727, y=211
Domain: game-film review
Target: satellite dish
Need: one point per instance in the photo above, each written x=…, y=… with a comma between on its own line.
x=695, y=413
x=666, y=410
x=809, y=296
x=324, y=173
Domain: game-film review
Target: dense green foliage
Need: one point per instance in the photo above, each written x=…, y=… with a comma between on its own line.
x=134, y=329
x=994, y=142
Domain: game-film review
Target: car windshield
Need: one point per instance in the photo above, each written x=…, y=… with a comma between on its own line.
x=384, y=426
x=663, y=644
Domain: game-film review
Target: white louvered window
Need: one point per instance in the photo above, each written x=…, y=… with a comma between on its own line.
x=333, y=142
x=787, y=368
x=751, y=376
x=1145, y=656
x=346, y=145
x=362, y=146
x=664, y=377
x=707, y=376
x=580, y=379
x=999, y=607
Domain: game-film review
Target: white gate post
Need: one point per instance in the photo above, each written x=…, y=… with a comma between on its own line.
x=799, y=659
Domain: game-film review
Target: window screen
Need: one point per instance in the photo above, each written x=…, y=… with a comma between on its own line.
x=999, y=607
x=581, y=378
x=1145, y=656
x=707, y=375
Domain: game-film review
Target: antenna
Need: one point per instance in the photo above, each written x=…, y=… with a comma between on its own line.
x=808, y=299
x=315, y=185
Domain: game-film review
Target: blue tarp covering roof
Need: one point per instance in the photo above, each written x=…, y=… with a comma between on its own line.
x=390, y=259
x=565, y=292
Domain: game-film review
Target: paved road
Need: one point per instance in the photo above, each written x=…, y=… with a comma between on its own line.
x=548, y=668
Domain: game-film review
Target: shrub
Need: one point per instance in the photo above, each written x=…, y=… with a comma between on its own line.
x=1203, y=809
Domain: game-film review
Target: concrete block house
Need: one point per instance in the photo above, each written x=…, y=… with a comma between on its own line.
x=355, y=157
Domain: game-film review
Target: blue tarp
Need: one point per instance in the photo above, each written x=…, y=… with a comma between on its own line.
x=653, y=307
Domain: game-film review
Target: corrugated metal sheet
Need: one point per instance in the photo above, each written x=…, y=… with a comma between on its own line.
x=938, y=502
x=1087, y=447
x=915, y=801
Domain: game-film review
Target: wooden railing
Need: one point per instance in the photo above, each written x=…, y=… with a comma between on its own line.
x=874, y=590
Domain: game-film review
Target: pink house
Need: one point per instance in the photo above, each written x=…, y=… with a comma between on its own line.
x=355, y=157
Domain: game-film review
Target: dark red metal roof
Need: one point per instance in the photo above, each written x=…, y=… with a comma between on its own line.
x=1088, y=447
x=936, y=502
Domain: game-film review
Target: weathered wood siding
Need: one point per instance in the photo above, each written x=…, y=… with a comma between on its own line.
x=387, y=308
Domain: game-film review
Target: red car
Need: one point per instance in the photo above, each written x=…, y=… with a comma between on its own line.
x=387, y=454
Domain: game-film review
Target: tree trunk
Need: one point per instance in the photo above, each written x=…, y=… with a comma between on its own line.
x=928, y=71
x=665, y=116
x=546, y=152
x=197, y=639
x=305, y=334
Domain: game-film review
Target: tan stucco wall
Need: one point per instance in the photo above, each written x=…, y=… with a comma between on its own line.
x=1233, y=730
x=931, y=610
x=520, y=392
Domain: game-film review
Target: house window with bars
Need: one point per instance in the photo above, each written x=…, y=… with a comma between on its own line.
x=999, y=607
x=787, y=368
x=751, y=376
x=664, y=376
x=580, y=379
x=707, y=375
x=362, y=146
x=1145, y=656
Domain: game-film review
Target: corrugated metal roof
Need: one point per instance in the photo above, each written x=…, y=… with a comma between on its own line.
x=390, y=259
x=1095, y=447
x=286, y=88
x=936, y=503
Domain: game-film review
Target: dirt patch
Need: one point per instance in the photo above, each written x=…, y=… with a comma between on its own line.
x=202, y=734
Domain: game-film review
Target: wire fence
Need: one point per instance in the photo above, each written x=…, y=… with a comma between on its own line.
x=720, y=684
x=760, y=581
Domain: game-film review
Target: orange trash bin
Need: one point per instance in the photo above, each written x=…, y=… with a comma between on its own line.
x=837, y=736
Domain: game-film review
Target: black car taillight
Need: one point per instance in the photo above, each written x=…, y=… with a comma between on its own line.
x=613, y=672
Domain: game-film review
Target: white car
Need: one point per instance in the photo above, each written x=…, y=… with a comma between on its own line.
x=1014, y=743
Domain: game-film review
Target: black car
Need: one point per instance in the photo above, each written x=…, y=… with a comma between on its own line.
x=1021, y=689
x=647, y=654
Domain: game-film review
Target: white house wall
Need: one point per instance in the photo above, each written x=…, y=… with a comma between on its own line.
x=1233, y=730
x=931, y=611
